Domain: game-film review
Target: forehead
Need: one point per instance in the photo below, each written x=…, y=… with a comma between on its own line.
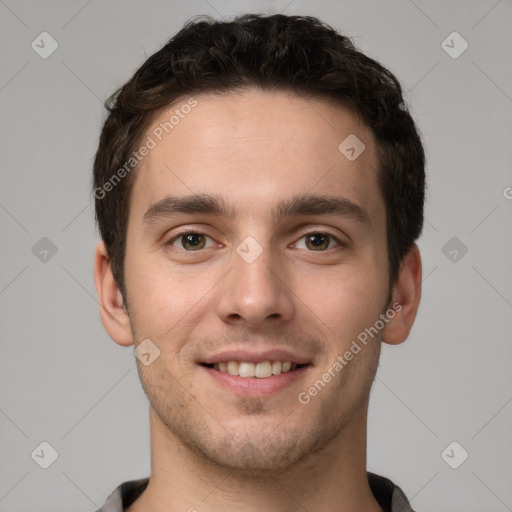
x=255, y=149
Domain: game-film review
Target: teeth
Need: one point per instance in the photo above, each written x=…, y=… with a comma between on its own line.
x=261, y=370
x=277, y=367
x=246, y=369
x=233, y=368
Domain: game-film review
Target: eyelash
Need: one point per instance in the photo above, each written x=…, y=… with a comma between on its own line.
x=339, y=243
x=183, y=234
x=170, y=242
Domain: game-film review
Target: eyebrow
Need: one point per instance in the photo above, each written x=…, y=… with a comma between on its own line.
x=297, y=205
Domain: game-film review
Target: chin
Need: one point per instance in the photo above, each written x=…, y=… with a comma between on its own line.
x=257, y=452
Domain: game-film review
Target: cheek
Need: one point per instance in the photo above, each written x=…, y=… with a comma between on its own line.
x=164, y=296
x=343, y=302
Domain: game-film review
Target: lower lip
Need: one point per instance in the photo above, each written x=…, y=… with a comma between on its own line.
x=254, y=386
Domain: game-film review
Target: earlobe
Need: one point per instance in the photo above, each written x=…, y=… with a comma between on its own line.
x=406, y=293
x=113, y=313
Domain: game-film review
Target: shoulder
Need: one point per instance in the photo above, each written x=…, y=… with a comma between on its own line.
x=390, y=497
x=124, y=495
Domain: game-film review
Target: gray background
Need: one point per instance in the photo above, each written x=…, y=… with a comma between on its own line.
x=64, y=382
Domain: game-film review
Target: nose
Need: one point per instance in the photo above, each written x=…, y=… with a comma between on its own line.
x=255, y=292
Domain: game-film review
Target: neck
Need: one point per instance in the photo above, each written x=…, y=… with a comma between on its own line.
x=333, y=479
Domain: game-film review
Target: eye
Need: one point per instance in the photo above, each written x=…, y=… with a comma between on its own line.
x=318, y=241
x=190, y=241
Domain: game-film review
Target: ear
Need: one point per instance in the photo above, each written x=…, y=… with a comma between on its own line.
x=406, y=295
x=113, y=314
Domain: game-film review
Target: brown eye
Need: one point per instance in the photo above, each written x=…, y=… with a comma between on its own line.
x=317, y=241
x=193, y=241
x=190, y=241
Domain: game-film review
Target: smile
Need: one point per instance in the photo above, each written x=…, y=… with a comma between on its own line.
x=260, y=370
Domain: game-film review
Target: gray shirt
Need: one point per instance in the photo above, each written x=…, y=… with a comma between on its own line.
x=388, y=495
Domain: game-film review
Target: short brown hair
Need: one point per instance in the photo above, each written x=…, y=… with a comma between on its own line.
x=293, y=53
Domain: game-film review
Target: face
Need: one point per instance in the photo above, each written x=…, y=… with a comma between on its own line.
x=253, y=242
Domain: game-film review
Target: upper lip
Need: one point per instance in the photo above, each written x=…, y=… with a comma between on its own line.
x=275, y=354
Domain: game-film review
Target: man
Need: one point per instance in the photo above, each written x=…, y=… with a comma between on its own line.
x=259, y=188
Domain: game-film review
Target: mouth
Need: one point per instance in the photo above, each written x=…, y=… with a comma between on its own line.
x=258, y=370
x=251, y=373
x=256, y=374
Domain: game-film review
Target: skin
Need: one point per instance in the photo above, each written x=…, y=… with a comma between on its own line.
x=212, y=449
